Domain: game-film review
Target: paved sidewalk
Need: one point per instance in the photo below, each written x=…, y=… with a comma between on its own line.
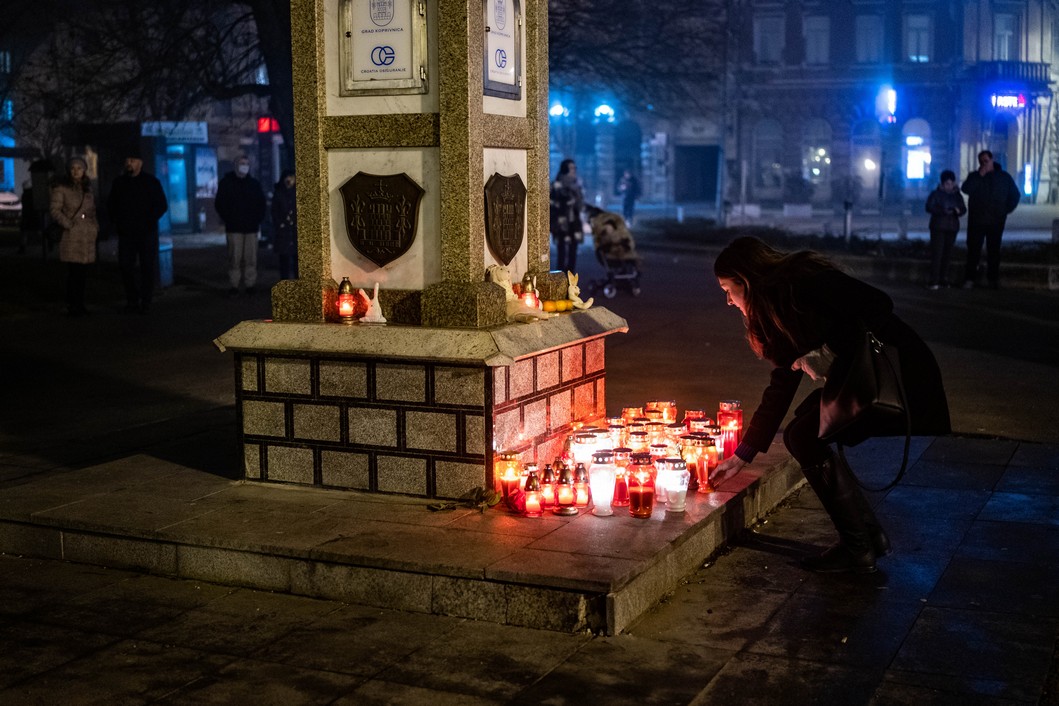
x=965, y=612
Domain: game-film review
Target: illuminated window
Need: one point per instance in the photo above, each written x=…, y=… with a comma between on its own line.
x=919, y=42
x=869, y=35
x=768, y=39
x=1005, y=37
x=916, y=140
x=768, y=151
x=816, y=152
x=817, y=40
x=5, y=62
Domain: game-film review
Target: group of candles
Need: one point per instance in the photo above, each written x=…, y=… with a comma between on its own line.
x=641, y=458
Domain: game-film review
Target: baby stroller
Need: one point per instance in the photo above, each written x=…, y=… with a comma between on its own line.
x=616, y=252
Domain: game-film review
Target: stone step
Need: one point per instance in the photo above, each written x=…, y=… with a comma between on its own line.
x=556, y=573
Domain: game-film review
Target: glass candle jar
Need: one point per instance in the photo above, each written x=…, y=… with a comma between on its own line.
x=690, y=414
x=699, y=426
x=581, y=486
x=622, y=457
x=656, y=432
x=641, y=488
x=611, y=421
x=616, y=435
x=692, y=450
x=602, y=478
x=631, y=413
x=673, y=433
x=533, y=496
x=582, y=445
x=565, y=495
x=547, y=487
x=710, y=458
x=676, y=484
x=638, y=441
x=730, y=417
x=508, y=471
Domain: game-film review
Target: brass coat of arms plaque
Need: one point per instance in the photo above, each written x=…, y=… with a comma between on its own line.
x=380, y=213
x=505, y=215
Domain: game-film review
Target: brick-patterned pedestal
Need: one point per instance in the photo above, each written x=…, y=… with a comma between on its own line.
x=412, y=410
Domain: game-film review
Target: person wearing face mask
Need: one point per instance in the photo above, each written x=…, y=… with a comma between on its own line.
x=805, y=316
x=135, y=204
x=241, y=206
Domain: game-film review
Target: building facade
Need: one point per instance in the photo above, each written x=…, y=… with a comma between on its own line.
x=870, y=100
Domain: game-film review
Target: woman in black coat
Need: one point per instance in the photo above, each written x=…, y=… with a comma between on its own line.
x=285, y=225
x=803, y=314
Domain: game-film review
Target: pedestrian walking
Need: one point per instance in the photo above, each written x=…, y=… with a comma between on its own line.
x=74, y=208
x=629, y=190
x=991, y=196
x=945, y=206
x=567, y=202
x=802, y=314
x=285, y=225
x=241, y=206
x=135, y=204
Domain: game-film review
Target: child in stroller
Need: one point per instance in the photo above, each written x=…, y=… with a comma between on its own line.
x=616, y=252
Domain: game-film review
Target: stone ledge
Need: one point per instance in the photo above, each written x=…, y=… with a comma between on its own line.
x=602, y=572
x=498, y=346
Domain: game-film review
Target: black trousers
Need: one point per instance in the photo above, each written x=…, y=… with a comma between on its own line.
x=941, y=242
x=801, y=437
x=990, y=234
x=566, y=258
x=138, y=261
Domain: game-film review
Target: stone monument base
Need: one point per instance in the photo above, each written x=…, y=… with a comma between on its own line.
x=412, y=410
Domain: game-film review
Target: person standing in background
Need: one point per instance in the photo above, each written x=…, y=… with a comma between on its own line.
x=991, y=196
x=945, y=206
x=285, y=225
x=241, y=206
x=135, y=204
x=629, y=189
x=567, y=201
x=74, y=208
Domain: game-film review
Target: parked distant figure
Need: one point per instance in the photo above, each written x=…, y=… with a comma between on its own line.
x=135, y=204
x=567, y=202
x=945, y=206
x=629, y=189
x=285, y=225
x=991, y=195
x=30, y=222
x=241, y=205
x=74, y=208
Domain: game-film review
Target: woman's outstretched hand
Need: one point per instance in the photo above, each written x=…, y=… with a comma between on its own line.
x=726, y=469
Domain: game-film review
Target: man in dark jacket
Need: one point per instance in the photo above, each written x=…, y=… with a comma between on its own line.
x=241, y=205
x=135, y=204
x=991, y=196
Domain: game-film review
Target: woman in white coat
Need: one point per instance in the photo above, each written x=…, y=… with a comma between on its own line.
x=74, y=208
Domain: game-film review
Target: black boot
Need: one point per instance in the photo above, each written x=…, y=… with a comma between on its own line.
x=838, y=492
x=880, y=543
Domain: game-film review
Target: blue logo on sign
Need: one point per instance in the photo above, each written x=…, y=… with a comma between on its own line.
x=382, y=56
x=501, y=58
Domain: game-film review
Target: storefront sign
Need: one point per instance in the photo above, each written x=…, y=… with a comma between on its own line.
x=189, y=133
x=505, y=215
x=382, y=48
x=1008, y=101
x=503, y=48
x=380, y=214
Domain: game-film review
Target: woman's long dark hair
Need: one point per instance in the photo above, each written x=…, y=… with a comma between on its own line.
x=564, y=168
x=772, y=323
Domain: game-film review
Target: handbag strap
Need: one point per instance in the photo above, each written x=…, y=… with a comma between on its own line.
x=908, y=424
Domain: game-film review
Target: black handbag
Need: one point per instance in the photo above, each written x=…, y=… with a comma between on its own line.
x=865, y=397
